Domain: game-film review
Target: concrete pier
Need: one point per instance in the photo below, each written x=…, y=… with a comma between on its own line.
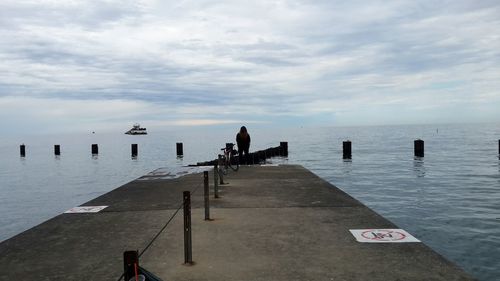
x=269, y=223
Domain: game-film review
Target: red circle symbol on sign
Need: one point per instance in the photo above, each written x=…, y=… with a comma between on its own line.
x=383, y=235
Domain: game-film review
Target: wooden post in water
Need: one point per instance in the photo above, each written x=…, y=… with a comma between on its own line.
x=135, y=150
x=499, y=147
x=180, y=150
x=347, y=150
x=188, y=253
x=284, y=148
x=130, y=264
x=418, y=148
x=22, y=150
x=95, y=149
x=57, y=150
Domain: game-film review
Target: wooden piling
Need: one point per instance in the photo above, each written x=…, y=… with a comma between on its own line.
x=95, y=149
x=347, y=149
x=418, y=146
x=180, y=150
x=284, y=148
x=57, y=149
x=22, y=150
x=135, y=150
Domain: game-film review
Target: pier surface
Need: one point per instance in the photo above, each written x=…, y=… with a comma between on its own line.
x=270, y=223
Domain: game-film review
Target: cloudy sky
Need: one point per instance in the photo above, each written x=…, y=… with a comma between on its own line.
x=85, y=65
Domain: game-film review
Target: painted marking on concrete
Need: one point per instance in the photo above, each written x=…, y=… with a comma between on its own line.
x=382, y=236
x=85, y=209
x=173, y=173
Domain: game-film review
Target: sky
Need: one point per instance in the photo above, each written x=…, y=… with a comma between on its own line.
x=104, y=65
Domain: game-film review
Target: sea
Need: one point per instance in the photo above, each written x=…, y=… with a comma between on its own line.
x=449, y=199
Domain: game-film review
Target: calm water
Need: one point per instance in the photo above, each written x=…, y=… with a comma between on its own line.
x=450, y=199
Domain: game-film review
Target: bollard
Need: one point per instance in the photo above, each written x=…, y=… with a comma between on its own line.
x=135, y=150
x=284, y=148
x=347, y=149
x=188, y=254
x=57, y=150
x=22, y=150
x=216, y=182
x=180, y=151
x=130, y=264
x=95, y=149
x=419, y=148
x=206, y=195
x=221, y=180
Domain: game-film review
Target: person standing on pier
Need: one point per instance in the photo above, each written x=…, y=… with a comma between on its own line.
x=243, y=142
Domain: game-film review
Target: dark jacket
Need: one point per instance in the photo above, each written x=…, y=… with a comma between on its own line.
x=243, y=143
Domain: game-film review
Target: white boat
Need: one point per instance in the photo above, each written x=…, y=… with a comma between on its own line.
x=137, y=130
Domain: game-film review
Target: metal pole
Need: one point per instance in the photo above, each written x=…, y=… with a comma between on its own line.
x=188, y=254
x=221, y=180
x=206, y=195
x=216, y=182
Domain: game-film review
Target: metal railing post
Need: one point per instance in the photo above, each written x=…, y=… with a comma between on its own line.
x=206, y=195
x=188, y=254
x=216, y=181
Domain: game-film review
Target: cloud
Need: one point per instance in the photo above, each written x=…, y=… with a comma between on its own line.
x=249, y=60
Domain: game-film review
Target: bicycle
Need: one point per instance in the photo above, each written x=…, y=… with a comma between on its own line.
x=229, y=159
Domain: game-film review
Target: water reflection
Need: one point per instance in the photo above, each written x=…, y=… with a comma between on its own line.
x=347, y=167
x=179, y=159
x=418, y=166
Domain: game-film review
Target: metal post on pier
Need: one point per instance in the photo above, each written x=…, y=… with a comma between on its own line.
x=216, y=181
x=57, y=150
x=180, y=150
x=206, y=195
x=22, y=150
x=221, y=180
x=130, y=264
x=188, y=254
x=135, y=150
x=347, y=149
x=418, y=146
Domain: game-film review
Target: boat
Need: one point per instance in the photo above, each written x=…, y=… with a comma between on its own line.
x=137, y=130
